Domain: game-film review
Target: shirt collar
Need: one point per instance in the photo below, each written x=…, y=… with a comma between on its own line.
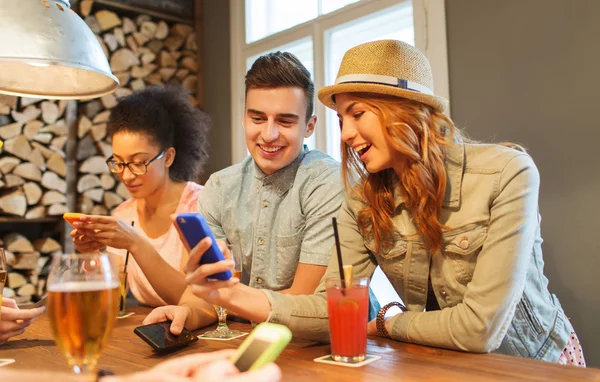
x=283, y=179
x=454, y=162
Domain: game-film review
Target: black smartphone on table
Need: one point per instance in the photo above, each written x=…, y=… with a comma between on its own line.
x=160, y=338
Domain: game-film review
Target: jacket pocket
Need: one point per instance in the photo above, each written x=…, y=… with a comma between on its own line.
x=526, y=335
x=527, y=313
x=462, y=246
x=397, y=250
x=288, y=255
x=391, y=262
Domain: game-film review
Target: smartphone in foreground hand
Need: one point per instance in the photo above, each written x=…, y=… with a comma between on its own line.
x=160, y=338
x=41, y=302
x=194, y=228
x=262, y=346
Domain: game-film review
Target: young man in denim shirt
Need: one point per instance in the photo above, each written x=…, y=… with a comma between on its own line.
x=276, y=206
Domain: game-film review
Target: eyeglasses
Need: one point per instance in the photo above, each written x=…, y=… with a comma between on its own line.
x=136, y=168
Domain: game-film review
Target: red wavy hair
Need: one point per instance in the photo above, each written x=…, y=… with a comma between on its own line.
x=421, y=135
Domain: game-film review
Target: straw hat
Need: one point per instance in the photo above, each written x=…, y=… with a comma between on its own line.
x=385, y=67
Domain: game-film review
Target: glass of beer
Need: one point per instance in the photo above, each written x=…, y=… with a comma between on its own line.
x=222, y=330
x=3, y=275
x=83, y=300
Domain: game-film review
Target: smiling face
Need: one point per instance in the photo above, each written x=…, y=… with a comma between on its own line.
x=275, y=125
x=361, y=129
x=136, y=147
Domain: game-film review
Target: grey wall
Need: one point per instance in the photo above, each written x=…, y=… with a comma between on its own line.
x=217, y=82
x=528, y=71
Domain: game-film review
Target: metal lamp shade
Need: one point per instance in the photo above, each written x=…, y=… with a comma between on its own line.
x=48, y=51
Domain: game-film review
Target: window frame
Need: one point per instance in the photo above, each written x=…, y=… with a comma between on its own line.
x=429, y=20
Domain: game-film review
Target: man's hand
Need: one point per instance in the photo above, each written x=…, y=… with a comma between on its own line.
x=213, y=291
x=178, y=316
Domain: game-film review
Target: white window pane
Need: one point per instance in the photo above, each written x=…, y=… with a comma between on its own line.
x=333, y=5
x=303, y=50
x=382, y=288
x=395, y=23
x=267, y=17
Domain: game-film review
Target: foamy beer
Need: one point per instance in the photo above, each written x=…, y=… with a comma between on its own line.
x=83, y=301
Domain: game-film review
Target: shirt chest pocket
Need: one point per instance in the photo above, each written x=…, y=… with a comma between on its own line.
x=392, y=262
x=461, y=247
x=288, y=255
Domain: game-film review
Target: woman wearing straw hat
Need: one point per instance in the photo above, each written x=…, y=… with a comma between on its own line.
x=453, y=224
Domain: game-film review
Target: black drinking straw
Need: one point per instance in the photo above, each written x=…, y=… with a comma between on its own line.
x=122, y=303
x=339, y=254
x=127, y=255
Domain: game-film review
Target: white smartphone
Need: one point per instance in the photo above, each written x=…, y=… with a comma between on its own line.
x=262, y=346
x=41, y=302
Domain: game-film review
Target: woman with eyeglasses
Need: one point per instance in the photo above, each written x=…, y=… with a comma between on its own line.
x=159, y=142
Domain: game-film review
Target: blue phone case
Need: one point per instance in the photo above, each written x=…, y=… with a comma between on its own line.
x=195, y=228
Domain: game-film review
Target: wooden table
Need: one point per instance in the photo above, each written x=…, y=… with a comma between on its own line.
x=35, y=350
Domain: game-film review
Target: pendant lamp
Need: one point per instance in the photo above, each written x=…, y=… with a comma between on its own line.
x=48, y=51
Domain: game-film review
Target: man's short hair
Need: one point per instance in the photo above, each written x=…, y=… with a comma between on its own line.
x=281, y=69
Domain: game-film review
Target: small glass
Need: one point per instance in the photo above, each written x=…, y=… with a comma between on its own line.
x=83, y=301
x=348, y=310
x=123, y=291
x=222, y=330
x=3, y=275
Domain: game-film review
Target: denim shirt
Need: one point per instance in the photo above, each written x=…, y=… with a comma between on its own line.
x=276, y=221
x=488, y=277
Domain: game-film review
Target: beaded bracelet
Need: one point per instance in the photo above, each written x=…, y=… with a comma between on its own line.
x=381, y=330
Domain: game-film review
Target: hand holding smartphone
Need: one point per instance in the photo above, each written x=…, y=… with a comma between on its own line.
x=160, y=338
x=41, y=302
x=262, y=346
x=194, y=228
x=72, y=217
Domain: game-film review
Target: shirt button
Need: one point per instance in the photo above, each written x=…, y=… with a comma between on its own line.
x=266, y=204
x=279, y=190
x=259, y=280
x=258, y=188
x=464, y=243
x=443, y=293
x=261, y=241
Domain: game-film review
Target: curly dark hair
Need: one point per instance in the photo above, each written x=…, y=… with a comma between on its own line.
x=281, y=69
x=168, y=117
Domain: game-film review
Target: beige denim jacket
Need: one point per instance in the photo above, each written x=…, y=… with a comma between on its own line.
x=488, y=277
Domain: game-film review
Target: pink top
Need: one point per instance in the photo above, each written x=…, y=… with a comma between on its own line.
x=169, y=246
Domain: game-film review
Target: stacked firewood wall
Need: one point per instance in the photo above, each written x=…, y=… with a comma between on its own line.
x=32, y=164
x=142, y=52
x=27, y=266
x=32, y=185
x=35, y=162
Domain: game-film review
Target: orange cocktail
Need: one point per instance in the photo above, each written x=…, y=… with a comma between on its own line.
x=348, y=315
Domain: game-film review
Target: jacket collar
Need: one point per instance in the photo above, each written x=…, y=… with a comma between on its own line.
x=283, y=179
x=454, y=163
